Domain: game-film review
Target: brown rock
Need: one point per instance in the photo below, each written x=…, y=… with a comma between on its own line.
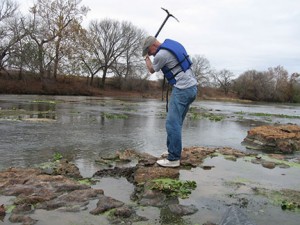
x=144, y=174
x=194, y=156
x=2, y=211
x=152, y=198
x=68, y=169
x=269, y=165
x=81, y=195
x=106, y=203
x=26, y=220
x=284, y=138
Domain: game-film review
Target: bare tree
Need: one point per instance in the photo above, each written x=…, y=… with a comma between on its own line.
x=130, y=64
x=7, y=35
x=224, y=79
x=202, y=70
x=84, y=56
x=281, y=82
x=7, y=9
x=48, y=28
x=114, y=46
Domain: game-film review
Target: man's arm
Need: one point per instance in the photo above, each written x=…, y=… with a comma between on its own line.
x=149, y=64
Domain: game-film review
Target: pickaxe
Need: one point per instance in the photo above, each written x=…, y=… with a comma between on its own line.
x=168, y=15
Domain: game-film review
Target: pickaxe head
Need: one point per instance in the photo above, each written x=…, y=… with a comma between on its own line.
x=168, y=15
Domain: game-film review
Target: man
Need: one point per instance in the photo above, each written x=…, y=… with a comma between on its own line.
x=171, y=57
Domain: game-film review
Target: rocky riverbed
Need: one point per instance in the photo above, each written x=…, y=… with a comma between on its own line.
x=55, y=192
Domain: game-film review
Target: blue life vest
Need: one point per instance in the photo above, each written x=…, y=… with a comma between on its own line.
x=181, y=55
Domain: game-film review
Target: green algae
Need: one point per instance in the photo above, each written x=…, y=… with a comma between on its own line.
x=173, y=187
x=276, y=161
x=114, y=116
x=287, y=199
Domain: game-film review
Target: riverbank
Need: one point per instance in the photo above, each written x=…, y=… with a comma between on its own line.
x=56, y=193
x=114, y=87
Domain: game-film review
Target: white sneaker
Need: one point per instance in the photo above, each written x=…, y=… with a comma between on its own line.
x=164, y=154
x=168, y=163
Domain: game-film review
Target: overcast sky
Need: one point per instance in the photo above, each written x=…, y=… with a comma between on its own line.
x=237, y=35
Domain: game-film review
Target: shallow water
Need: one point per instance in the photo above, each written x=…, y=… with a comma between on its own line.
x=33, y=128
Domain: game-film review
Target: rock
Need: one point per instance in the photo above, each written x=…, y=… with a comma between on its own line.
x=25, y=220
x=206, y=167
x=231, y=152
x=152, y=198
x=127, y=172
x=182, y=210
x=256, y=161
x=284, y=138
x=23, y=208
x=194, y=156
x=124, y=215
x=2, y=212
x=124, y=212
x=106, y=203
x=230, y=157
x=68, y=169
x=67, y=187
x=81, y=195
x=147, y=161
x=32, y=187
x=51, y=205
x=144, y=174
x=73, y=200
x=269, y=165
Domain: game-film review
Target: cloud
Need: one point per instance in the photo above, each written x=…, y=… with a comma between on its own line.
x=232, y=34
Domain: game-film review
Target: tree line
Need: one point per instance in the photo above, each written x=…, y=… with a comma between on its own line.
x=50, y=41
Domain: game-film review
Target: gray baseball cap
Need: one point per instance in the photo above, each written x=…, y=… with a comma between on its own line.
x=148, y=42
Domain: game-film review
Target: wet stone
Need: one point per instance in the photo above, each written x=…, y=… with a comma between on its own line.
x=125, y=215
x=124, y=212
x=25, y=220
x=152, y=198
x=127, y=172
x=268, y=165
x=183, y=210
x=106, y=203
x=23, y=208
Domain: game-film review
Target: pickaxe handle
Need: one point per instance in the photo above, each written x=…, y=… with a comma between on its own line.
x=168, y=15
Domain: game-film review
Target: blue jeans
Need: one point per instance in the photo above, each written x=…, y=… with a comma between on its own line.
x=180, y=101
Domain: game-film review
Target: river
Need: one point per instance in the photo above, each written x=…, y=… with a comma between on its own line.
x=33, y=128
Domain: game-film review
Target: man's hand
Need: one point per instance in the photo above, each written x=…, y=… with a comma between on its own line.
x=149, y=64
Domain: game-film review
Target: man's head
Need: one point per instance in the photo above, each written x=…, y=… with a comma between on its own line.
x=150, y=45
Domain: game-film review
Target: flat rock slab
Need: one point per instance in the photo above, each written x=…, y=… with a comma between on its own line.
x=284, y=138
